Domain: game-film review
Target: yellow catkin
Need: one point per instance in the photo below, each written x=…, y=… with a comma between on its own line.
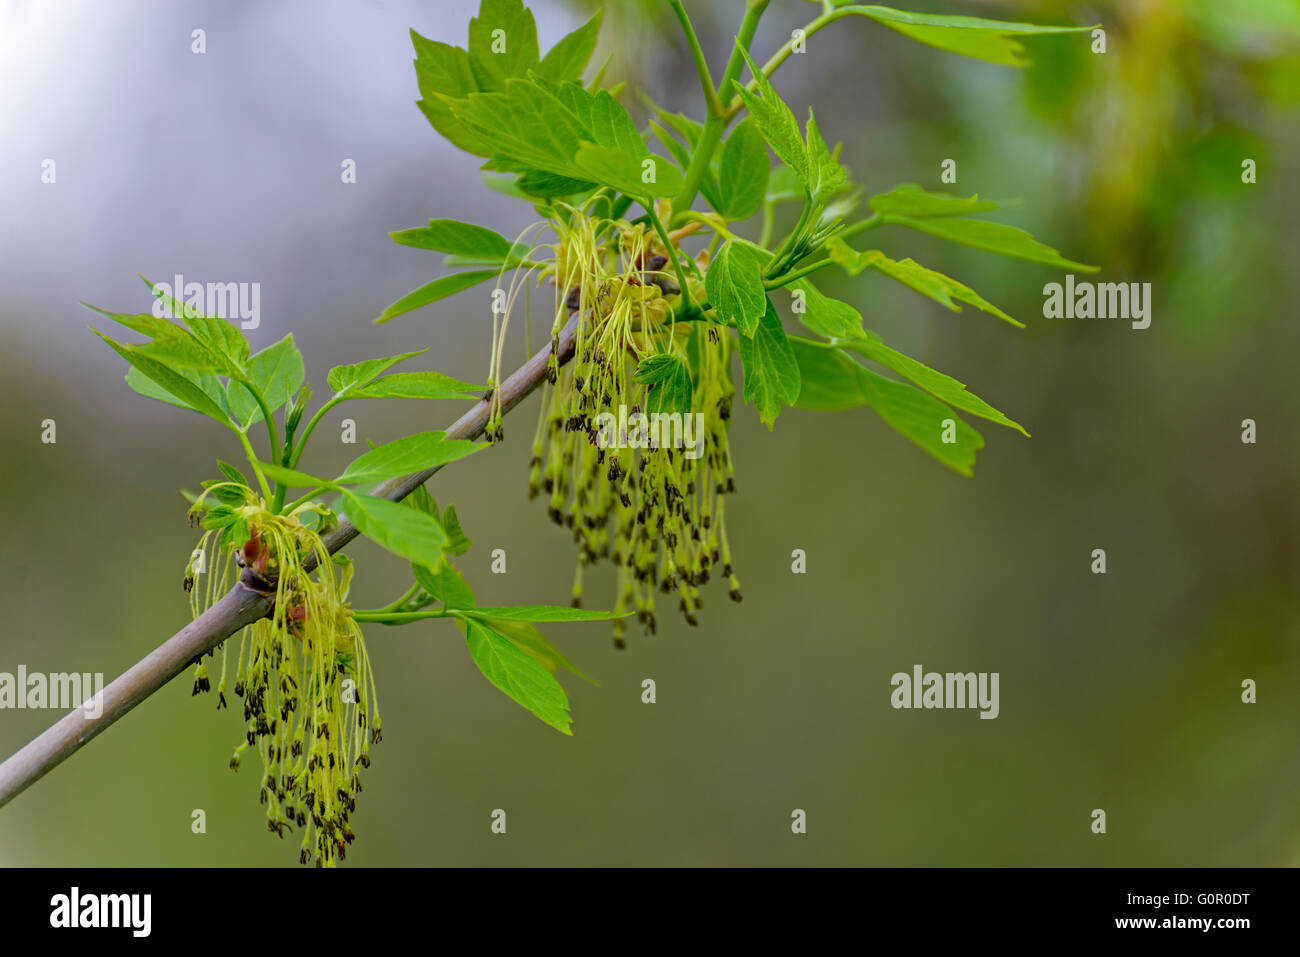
x=303, y=673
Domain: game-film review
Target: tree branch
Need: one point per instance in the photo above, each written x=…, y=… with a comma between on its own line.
x=239, y=607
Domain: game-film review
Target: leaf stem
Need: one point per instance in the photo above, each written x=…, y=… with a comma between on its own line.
x=717, y=123
x=697, y=54
x=385, y=617
x=672, y=254
x=311, y=426
x=252, y=460
x=786, y=278
x=397, y=603
x=783, y=54
x=769, y=220
x=862, y=225
x=303, y=500
x=277, y=452
x=782, y=256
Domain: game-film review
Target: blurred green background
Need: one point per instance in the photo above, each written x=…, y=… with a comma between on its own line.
x=1119, y=692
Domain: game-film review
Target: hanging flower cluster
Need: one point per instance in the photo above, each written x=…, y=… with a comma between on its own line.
x=637, y=468
x=303, y=673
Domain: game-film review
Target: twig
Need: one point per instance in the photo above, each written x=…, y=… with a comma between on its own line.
x=239, y=607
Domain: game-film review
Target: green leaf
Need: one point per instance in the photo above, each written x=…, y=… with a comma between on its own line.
x=414, y=453
x=189, y=392
x=775, y=121
x=992, y=237
x=155, y=327
x=417, y=385
x=828, y=379
x=526, y=125
x=225, y=343
x=529, y=640
x=172, y=345
x=232, y=473
x=222, y=492
x=455, y=238
x=771, y=372
x=687, y=129
x=909, y=199
x=347, y=378
x=743, y=172
x=502, y=43
x=826, y=176
x=277, y=371
x=734, y=284
x=831, y=380
x=505, y=185
x=639, y=176
x=219, y=516
x=443, y=71
x=563, y=131
x=940, y=386
x=207, y=382
x=422, y=501
x=680, y=154
x=458, y=543
x=568, y=59
x=668, y=383
x=438, y=289
x=923, y=419
x=292, y=478
x=601, y=116
x=404, y=531
x=543, y=185
x=989, y=40
x=824, y=315
x=517, y=674
x=783, y=186
x=518, y=252
x=927, y=282
x=540, y=613
x=444, y=584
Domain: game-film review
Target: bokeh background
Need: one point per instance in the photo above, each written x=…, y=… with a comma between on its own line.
x=1119, y=692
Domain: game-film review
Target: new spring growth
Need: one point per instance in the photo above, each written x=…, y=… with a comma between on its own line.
x=656, y=512
x=303, y=674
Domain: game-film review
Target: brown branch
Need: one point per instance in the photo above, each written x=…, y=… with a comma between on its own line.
x=239, y=607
